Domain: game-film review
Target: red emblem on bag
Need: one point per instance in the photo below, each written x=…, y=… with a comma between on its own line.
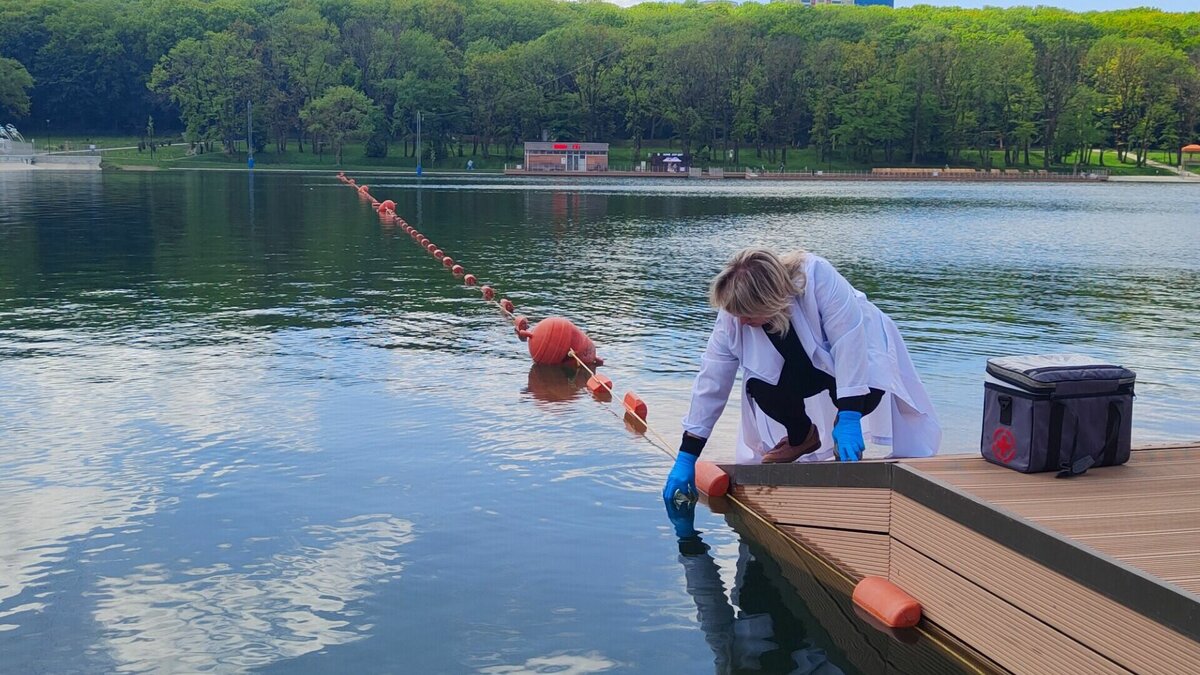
x=1004, y=446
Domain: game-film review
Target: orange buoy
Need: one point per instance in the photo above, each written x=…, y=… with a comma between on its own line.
x=599, y=385
x=488, y=292
x=506, y=305
x=554, y=338
x=448, y=261
x=882, y=599
x=457, y=270
x=469, y=280
x=388, y=204
x=521, y=326
x=635, y=404
x=711, y=480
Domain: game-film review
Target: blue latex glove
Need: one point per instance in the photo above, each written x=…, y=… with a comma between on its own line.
x=682, y=477
x=682, y=514
x=847, y=436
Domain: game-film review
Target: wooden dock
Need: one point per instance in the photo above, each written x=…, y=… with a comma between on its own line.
x=1095, y=574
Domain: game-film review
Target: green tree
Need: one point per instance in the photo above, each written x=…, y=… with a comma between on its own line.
x=1133, y=75
x=211, y=80
x=340, y=115
x=15, y=83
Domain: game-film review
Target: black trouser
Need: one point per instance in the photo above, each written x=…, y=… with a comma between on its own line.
x=784, y=402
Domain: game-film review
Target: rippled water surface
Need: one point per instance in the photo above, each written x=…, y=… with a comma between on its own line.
x=245, y=426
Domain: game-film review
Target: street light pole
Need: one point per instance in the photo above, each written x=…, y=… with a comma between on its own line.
x=249, y=136
x=419, y=152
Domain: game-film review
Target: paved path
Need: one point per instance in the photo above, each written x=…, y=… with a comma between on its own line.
x=1183, y=175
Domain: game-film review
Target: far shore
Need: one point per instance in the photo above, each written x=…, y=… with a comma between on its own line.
x=1192, y=179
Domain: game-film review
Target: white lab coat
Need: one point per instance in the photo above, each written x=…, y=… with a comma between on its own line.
x=846, y=336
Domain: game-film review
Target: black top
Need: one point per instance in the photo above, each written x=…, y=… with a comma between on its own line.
x=798, y=369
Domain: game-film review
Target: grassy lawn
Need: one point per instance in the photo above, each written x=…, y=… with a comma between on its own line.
x=621, y=157
x=1193, y=159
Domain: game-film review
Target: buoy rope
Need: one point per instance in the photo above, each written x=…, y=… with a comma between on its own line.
x=662, y=443
x=658, y=441
x=386, y=213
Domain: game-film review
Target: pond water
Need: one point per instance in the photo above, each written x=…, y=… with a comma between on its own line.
x=244, y=426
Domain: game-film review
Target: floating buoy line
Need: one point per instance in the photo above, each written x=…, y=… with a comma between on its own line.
x=557, y=341
x=552, y=341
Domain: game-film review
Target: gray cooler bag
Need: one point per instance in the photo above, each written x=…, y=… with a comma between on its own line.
x=1056, y=412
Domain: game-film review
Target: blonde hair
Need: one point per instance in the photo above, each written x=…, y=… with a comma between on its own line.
x=758, y=283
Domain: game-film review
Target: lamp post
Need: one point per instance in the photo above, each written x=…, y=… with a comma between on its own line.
x=419, y=152
x=249, y=136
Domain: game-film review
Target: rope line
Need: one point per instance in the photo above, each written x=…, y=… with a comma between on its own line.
x=660, y=443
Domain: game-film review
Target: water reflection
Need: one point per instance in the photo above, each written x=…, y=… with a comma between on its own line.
x=556, y=384
x=750, y=630
x=219, y=617
x=195, y=370
x=568, y=664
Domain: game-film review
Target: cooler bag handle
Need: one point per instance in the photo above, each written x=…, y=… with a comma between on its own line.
x=1069, y=466
x=1072, y=466
x=1114, y=431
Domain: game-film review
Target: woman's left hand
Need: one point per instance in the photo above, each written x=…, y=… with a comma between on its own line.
x=848, y=437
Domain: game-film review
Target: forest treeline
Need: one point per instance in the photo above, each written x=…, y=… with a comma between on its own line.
x=921, y=84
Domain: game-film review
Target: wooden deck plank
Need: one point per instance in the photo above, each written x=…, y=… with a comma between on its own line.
x=826, y=596
x=1046, y=594
x=859, y=553
x=1081, y=524
x=1145, y=514
x=1186, y=485
x=1009, y=636
x=1089, y=560
x=865, y=509
x=990, y=474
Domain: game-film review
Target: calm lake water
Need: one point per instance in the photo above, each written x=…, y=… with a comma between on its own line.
x=243, y=426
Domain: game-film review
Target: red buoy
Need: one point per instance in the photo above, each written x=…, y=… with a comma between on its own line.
x=884, y=600
x=469, y=280
x=457, y=270
x=388, y=204
x=553, y=338
x=438, y=253
x=635, y=404
x=506, y=305
x=432, y=249
x=448, y=261
x=711, y=480
x=488, y=292
x=600, y=385
x=521, y=326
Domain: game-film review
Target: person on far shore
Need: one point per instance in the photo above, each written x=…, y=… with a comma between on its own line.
x=819, y=363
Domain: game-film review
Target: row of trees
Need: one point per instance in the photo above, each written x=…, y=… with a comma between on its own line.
x=915, y=85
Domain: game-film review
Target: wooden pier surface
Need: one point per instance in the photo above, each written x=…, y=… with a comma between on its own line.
x=1095, y=574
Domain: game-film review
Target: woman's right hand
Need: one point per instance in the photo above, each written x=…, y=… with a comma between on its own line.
x=682, y=477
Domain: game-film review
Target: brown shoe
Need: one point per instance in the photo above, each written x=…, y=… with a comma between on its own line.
x=783, y=452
